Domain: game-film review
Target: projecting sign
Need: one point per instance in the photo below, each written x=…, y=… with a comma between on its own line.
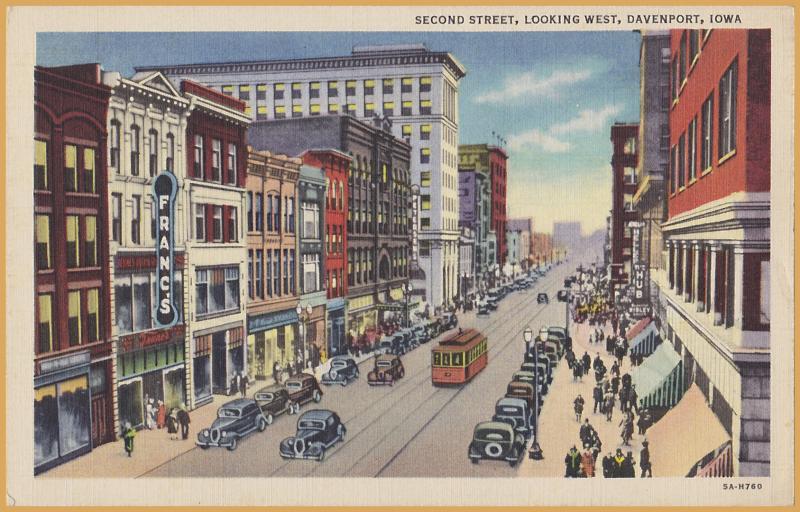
x=165, y=188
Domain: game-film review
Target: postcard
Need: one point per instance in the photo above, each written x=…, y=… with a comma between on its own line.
x=317, y=256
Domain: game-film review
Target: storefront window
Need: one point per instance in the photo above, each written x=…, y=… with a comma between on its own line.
x=45, y=425
x=217, y=290
x=73, y=414
x=174, y=391
x=130, y=403
x=202, y=376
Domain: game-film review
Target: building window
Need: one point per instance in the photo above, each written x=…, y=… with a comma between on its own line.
x=216, y=223
x=135, y=149
x=297, y=91
x=350, y=88
x=682, y=161
x=250, y=273
x=280, y=112
x=153, y=142
x=314, y=109
x=425, y=155
x=313, y=90
x=285, y=271
x=388, y=86
x=694, y=46
x=425, y=222
x=333, y=89
x=333, y=108
x=764, y=318
x=40, y=176
x=136, y=212
x=291, y=271
x=259, y=215
x=74, y=311
x=227, y=90
x=425, y=107
x=425, y=84
x=73, y=236
x=297, y=110
x=630, y=146
x=233, y=225
x=369, y=87
x=708, y=132
x=675, y=79
x=278, y=93
x=406, y=108
x=70, y=168
x=199, y=157
x=45, y=323
x=216, y=290
x=692, y=150
x=425, y=132
x=93, y=314
x=43, y=243
x=310, y=220
x=170, y=153
x=276, y=274
x=310, y=273
x=261, y=92
x=405, y=84
x=113, y=145
x=406, y=130
x=351, y=109
x=664, y=139
x=249, y=211
x=233, y=165
x=116, y=217
x=261, y=112
x=89, y=174
x=271, y=226
x=259, y=271
x=268, y=266
x=369, y=109
x=216, y=160
x=200, y=222
x=90, y=241
x=682, y=60
x=290, y=214
x=425, y=202
x=727, y=111
x=244, y=92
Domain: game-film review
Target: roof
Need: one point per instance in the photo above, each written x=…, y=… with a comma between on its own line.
x=238, y=403
x=274, y=388
x=507, y=400
x=494, y=425
x=317, y=414
x=691, y=425
x=462, y=338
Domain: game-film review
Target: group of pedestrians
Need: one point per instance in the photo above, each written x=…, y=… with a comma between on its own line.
x=158, y=417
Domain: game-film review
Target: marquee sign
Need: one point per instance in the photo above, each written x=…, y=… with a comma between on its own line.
x=165, y=188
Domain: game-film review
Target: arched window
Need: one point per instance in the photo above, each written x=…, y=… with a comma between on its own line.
x=136, y=145
x=153, y=141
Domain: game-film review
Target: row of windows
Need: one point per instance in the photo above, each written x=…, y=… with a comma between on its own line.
x=685, y=59
x=684, y=159
x=83, y=319
x=265, y=277
x=459, y=358
x=334, y=195
x=216, y=223
x=334, y=243
x=424, y=131
x=216, y=290
x=222, y=169
x=266, y=216
x=425, y=107
x=335, y=285
x=135, y=297
x=80, y=168
x=153, y=164
x=81, y=234
x=360, y=268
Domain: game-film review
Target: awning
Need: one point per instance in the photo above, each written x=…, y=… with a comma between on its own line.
x=645, y=342
x=718, y=463
x=685, y=436
x=637, y=328
x=659, y=379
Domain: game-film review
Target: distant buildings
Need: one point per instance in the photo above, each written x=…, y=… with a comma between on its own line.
x=541, y=251
x=624, y=159
x=518, y=237
x=474, y=190
x=567, y=235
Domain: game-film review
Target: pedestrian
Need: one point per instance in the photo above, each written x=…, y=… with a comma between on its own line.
x=578, y=406
x=608, y=466
x=128, y=433
x=577, y=371
x=276, y=372
x=572, y=462
x=633, y=399
x=628, y=469
x=626, y=429
x=587, y=464
x=587, y=433
x=644, y=460
x=597, y=395
x=150, y=414
x=609, y=406
x=615, y=369
x=161, y=415
x=587, y=362
x=184, y=420
x=243, y=382
x=623, y=399
x=235, y=383
x=618, y=467
x=172, y=423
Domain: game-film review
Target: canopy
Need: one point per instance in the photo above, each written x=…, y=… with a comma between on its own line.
x=685, y=436
x=659, y=379
x=645, y=341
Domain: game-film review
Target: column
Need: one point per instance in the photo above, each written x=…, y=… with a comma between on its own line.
x=712, y=283
x=698, y=275
x=738, y=287
x=671, y=264
x=687, y=273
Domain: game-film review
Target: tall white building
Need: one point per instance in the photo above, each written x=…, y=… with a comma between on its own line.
x=417, y=89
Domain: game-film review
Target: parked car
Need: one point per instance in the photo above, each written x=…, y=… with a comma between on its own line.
x=234, y=421
x=495, y=440
x=524, y=391
x=433, y=327
x=409, y=340
x=421, y=333
x=527, y=377
x=392, y=344
x=342, y=371
x=563, y=336
x=449, y=321
x=273, y=400
x=317, y=430
x=542, y=299
x=484, y=307
x=388, y=368
x=302, y=389
x=562, y=296
x=517, y=413
x=539, y=370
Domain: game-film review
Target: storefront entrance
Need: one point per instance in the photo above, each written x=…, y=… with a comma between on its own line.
x=130, y=399
x=219, y=363
x=61, y=421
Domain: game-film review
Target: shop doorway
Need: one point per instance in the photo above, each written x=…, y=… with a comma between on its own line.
x=153, y=386
x=174, y=389
x=219, y=365
x=130, y=403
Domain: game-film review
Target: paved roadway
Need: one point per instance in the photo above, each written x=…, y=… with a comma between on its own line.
x=411, y=429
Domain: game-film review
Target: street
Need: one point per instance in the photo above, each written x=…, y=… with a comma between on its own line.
x=411, y=429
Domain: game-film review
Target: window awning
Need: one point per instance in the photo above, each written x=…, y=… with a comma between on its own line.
x=646, y=340
x=685, y=436
x=637, y=328
x=659, y=379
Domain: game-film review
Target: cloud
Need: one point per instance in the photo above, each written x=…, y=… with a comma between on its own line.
x=531, y=85
x=536, y=137
x=588, y=120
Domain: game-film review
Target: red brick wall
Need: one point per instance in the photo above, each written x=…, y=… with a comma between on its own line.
x=497, y=164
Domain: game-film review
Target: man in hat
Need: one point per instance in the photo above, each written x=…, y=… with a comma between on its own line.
x=608, y=466
x=644, y=460
x=572, y=462
x=618, y=466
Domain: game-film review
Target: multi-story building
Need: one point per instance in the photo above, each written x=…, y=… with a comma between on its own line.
x=416, y=88
x=518, y=239
x=541, y=248
x=146, y=125
x=716, y=288
x=214, y=193
x=624, y=142
x=475, y=199
x=378, y=200
x=272, y=321
x=492, y=161
x=466, y=262
x=73, y=402
x=311, y=260
x=567, y=235
x=335, y=164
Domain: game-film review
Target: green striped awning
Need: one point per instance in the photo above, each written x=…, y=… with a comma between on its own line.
x=659, y=379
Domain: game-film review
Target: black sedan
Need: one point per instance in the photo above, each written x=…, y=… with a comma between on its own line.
x=234, y=420
x=343, y=370
x=317, y=430
x=542, y=299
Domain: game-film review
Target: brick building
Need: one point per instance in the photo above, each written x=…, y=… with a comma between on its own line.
x=624, y=141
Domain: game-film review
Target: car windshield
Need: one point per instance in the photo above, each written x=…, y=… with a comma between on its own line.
x=228, y=413
x=311, y=424
x=339, y=364
x=384, y=364
x=492, y=435
x=385, y=343
x=523, y=378
x=294, y=385
x=265, y=397
x=508, y=410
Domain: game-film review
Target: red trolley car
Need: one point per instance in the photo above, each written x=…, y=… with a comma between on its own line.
x=459, y=358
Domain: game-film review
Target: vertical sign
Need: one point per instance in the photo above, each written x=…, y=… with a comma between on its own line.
x=165, y=188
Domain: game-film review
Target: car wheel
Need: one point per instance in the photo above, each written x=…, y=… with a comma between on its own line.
x=474, y=461
x=232, y=446
x=321, y=456
x=355, y=375
x=203, y=446
x=290, y=408
x=317, y=396
x=269, y=418
x=341, y=432
x=262, y=424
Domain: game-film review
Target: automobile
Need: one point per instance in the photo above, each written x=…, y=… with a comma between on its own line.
x=317, y=430
x=234, y=421
x=494, y=296
x=273, y=401
x=391, y=344
x=449, y=321
x=564, y=338
x=537, y=369
x=388, y=369
x=562, y=296
x=516, y=412
x=494, y=440
x=302, y=389
x=484, y=307
x=542, y=299
x=527, y=377
x=433, y=327
x=421, y=333
x=524, y=391
x=409, y=339
x=543, y=361
x=343, y=370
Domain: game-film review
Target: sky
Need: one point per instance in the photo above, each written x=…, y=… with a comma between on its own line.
x=552, y=96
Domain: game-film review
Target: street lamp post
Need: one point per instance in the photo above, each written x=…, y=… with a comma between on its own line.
x=407, y=288
x=304, y=320
x=536, y=451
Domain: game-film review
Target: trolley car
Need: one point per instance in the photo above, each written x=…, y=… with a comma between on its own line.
x=457, y=359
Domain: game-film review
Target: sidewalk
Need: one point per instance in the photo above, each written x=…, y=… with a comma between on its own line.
x=558, y=429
